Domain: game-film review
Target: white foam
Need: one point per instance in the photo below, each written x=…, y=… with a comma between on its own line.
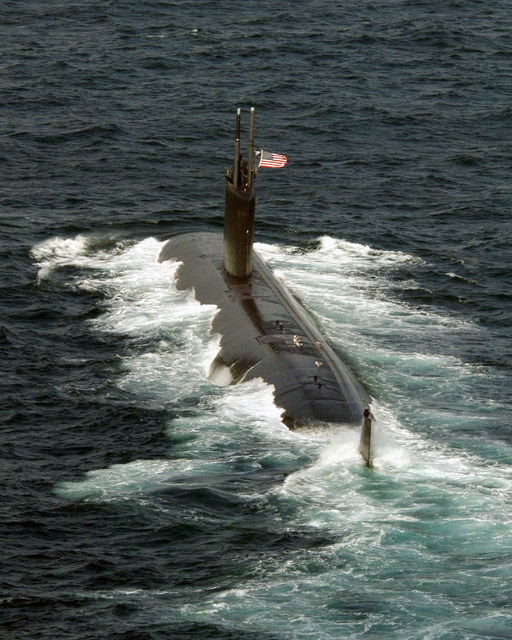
x=210, y=442
x=339, y=254
x=135, y=478
x=424, y=501
x=142, y=300
x=220, y=374
x=58, y=248
x=56, y=252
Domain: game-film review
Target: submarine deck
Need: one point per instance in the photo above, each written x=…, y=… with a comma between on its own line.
x=266, y=333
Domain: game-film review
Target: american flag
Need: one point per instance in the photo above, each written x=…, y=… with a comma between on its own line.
x=272, y=160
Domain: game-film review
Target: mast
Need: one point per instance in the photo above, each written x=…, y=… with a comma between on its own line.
x=251, y=151
x=236, y=163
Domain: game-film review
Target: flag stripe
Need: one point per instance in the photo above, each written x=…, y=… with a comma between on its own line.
x=272, y=160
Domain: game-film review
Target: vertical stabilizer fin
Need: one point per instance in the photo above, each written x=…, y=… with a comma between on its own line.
x=365, y=444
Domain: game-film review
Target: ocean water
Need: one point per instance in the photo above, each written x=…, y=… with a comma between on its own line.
x=139, y=499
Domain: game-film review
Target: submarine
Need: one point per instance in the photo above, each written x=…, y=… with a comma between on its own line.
x=265, y=330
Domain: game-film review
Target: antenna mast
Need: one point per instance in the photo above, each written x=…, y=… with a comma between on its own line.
x=251, y=148
x=236, y=163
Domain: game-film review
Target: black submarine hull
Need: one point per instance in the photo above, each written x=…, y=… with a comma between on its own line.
x=266, y=333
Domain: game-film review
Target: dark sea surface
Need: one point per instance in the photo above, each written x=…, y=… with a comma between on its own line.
x=141, y=501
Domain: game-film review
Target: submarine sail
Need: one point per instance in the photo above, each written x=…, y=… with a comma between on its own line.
x=265, y=332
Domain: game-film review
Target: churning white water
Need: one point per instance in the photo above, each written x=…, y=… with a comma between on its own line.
x=421, y=543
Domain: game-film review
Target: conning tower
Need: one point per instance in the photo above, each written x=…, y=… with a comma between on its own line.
x=239, y=208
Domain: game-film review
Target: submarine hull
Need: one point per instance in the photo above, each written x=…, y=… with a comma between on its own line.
x=266, y=333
